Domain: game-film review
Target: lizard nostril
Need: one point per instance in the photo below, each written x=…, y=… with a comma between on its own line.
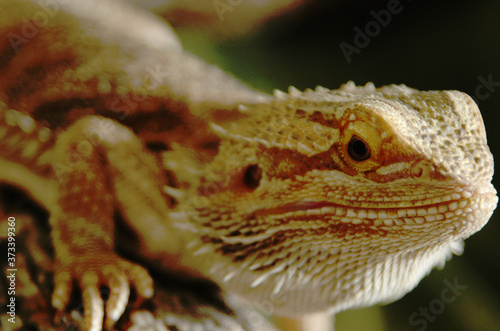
x=252, y=176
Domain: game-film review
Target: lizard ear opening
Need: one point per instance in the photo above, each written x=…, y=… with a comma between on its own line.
x=252, y=176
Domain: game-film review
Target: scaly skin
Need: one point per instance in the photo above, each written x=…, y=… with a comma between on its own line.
x=322, y=230
x=316, y=200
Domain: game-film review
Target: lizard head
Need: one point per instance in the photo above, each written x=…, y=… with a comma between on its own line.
x=333, y=199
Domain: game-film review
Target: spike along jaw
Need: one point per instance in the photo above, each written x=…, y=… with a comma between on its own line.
x=326, y=200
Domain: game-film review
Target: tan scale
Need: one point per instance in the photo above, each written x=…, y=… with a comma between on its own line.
x=313, y=201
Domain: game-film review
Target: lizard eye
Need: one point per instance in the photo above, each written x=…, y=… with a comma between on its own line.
x=252, y=176
x=358, y=149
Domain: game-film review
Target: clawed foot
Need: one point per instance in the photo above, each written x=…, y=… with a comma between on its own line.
x=92, y=272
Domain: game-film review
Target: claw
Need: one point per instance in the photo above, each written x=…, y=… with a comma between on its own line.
x=113, y=272
x=93, y=309
x=117, y=302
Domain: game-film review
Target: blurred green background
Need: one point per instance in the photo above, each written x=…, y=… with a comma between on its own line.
x=429, y=45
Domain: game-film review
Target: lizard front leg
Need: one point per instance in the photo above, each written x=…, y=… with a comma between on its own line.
x=82, y=219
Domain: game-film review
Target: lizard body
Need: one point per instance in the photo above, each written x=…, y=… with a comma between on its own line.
x=315, y=200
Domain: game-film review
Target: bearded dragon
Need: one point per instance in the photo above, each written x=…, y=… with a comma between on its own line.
x=315, y=200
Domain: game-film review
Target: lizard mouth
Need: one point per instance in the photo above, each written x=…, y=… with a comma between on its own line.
x=470, y=203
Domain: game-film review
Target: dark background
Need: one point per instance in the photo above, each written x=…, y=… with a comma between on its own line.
x=429, y=45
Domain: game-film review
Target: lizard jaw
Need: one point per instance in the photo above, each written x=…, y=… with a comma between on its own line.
x=385, y=243
x=468, y=208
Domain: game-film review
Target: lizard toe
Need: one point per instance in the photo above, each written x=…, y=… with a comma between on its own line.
x=109, y=271
x=141, y=280
x=62, y=290
x=61, y=294
x=92, y=302
x=119, y=288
